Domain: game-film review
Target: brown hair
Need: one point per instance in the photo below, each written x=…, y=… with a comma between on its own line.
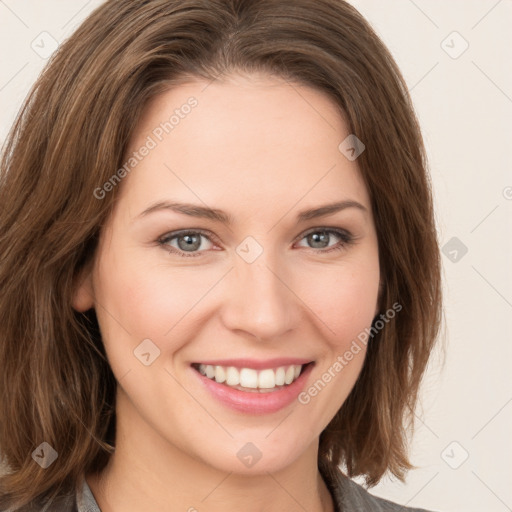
x=70, y=138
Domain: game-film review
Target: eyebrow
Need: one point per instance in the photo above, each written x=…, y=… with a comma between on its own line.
x=194, y=210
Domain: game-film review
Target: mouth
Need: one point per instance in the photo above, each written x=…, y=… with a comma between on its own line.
x=250, y=379
x=250, y=386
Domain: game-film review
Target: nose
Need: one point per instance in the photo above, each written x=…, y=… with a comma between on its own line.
x=260, y=300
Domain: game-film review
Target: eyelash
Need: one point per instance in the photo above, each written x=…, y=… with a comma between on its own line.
x=346, y=240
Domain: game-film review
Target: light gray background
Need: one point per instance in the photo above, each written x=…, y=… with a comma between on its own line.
x=464, y=103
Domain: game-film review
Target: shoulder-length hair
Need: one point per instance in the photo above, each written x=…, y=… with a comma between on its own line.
x=71, y=137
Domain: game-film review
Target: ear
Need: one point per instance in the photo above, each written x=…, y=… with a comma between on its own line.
x=83, y=294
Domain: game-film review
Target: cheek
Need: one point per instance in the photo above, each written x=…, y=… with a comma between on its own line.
x=142, y=300
x=345, y=300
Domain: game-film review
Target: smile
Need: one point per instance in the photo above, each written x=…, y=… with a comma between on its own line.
x=254, y=387
x=250, y=379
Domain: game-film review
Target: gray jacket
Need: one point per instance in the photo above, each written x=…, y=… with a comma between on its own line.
x=348, y=497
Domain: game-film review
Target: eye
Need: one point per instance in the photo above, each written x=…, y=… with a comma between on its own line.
x=319, y=239
x=189, y=243
x=185, y=243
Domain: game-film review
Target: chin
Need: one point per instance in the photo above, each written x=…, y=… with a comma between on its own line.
x=256, y=454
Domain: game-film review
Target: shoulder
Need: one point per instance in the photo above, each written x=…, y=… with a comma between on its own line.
x=65, y=503
x=359, y=498
x=349, y=496
x=85, y=501
x=81, y=501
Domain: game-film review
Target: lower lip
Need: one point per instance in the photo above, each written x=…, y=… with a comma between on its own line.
x=256, y=402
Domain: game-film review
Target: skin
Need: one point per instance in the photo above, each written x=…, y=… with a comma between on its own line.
x=261, y=149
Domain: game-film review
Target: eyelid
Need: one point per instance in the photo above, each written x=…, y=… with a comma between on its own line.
x=346, y=239
x=174, y=234
x=339, y=231
x=209, y=234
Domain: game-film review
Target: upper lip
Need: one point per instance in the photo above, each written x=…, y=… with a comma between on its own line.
x=257, y=364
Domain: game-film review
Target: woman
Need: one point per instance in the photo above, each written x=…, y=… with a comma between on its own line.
x=220, y=273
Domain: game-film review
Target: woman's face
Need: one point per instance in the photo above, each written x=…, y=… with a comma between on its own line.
x=242, y=279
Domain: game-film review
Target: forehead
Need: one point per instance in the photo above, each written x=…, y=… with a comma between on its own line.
x=253, y=141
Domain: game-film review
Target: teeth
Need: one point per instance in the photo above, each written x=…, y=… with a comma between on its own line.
x=280, y=374
x=250, y=378
x=267, y=379
x=288, y=376
x=232, y=376
x=210, y=371
x=220, y=374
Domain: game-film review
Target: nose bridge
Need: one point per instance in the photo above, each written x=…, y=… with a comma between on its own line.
x=259, y=300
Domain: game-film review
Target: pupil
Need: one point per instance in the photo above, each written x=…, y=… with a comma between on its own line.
x=319, y=238
x=191, y=242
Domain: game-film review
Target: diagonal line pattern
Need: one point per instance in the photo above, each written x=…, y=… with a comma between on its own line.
x=217, y=486
x=426, y=426
x=286, y=213
x=423, y=77
x=13, y=13
x=126, y=373
x=493, y=287
x=280, y=423
x=414, y=496
x=167, y=167
x=492, y=492
x=211, y=288
x=503, y=407
x=285, y=490
x=300, y=299
x=491, y=80
x=485, y=15
x=424, y=13
x=210, y=82
x=108, y=313
x=76, y=14
x=492, y=211
x=13, y=76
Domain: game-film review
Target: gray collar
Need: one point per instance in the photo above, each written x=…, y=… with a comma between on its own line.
x=348, y=496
